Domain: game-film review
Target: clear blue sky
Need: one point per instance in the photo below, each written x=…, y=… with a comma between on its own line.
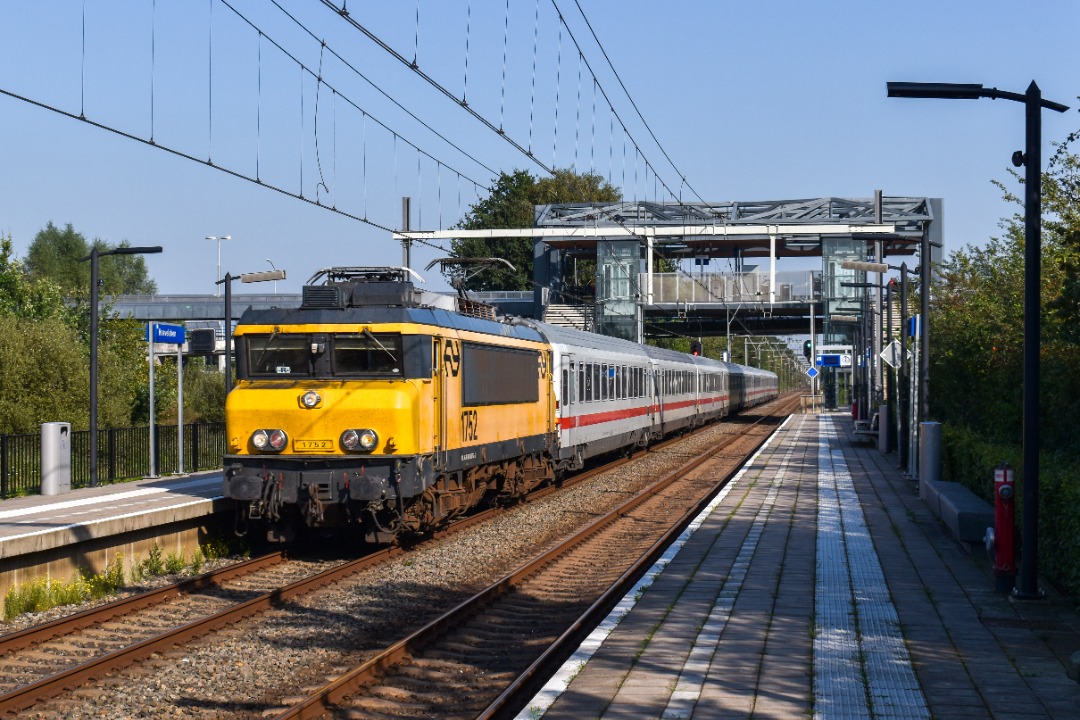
x=752, y=101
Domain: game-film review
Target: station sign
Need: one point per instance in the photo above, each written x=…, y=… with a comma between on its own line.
x=163, y=333
x=833, y=360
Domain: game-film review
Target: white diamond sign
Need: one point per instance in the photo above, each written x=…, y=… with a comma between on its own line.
x=891, y=354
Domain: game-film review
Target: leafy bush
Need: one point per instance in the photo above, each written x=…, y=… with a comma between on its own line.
x=174, y=563
x=969, y=459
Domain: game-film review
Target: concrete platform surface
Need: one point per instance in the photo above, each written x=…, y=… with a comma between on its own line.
x=820, y=585
x=40, y=523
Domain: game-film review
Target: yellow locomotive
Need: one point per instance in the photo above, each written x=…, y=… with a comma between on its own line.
x=366, y=405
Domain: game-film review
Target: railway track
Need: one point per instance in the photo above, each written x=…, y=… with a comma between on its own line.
x=43, y=660
x=489, y=654
x=47, y=661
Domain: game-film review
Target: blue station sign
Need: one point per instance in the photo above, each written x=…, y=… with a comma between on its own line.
x=164, y=333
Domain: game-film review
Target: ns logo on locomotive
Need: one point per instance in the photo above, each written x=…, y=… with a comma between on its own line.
x=382, y=406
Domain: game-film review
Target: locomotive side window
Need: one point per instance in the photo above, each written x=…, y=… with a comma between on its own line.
x=493, y=375
x=367, y=354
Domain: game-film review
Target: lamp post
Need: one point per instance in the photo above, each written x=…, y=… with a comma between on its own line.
x=274, y=275
x=1031, y=159
x=93, y=258
x=906, y=410
x=218, y=238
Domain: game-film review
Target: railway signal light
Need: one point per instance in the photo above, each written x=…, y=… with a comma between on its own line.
x=807, y=346
x=695, y=347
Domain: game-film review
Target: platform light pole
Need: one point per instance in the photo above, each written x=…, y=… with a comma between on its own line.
x=1031, y=159
x=93, y=258
x=218, y=238
x=274, y=275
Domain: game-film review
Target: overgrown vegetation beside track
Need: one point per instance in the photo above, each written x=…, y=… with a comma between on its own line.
x=45, y=593
x=976, y=361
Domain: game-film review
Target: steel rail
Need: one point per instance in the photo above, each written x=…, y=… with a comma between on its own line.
x=27, y=695
x=38, y=634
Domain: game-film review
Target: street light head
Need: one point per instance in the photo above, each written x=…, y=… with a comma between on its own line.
x=133, y=250
x=864, y=266
x=960, y=91
x=263, y=276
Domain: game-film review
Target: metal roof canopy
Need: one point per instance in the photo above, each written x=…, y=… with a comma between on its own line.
x=782, y=228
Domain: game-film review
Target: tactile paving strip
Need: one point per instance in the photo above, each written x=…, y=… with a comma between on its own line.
x=861, y=667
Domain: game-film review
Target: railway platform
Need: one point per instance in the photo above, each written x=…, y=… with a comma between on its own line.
x=820, y=585
x=58, y=535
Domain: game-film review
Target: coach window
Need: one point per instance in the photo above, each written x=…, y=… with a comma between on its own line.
x=565, y=387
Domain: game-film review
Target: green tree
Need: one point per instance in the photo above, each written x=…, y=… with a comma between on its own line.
x=44, y=374
x=57, y=255
x=510, y=205
x=21, y=297
x=977, y=321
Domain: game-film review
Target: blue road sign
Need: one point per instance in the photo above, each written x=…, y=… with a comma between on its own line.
x=812, y=372
x=914, y=328
x=167, y=333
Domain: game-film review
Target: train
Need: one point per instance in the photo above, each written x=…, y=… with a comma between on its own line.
x=393, y=410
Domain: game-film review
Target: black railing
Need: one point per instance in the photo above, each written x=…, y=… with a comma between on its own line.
x=123, y=454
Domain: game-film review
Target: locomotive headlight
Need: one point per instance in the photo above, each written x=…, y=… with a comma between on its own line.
x=368, y=439
x=272, y=440
x=310, y=399
x=278, y=439
x=365, y=439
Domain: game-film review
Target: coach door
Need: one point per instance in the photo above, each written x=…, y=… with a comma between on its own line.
x=570, y=400
x=656, y=403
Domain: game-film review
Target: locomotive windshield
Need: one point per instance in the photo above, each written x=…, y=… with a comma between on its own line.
x=367, y=353
x=281, y=355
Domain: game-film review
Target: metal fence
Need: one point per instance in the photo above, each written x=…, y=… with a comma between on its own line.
x=798, y=286
x=123, y=454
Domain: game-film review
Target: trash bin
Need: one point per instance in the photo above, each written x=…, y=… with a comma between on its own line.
x=55, y=458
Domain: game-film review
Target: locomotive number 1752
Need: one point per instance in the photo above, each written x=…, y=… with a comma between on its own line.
x=470, y=421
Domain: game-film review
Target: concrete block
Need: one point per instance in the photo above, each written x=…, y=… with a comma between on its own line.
x=965, y=514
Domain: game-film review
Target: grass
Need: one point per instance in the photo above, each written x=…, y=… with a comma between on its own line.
x=43, y=594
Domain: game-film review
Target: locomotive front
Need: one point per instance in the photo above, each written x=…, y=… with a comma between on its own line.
x=324, y=426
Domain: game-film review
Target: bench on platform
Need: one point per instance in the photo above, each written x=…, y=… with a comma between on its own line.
x=964, y=513
x=866, y=430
